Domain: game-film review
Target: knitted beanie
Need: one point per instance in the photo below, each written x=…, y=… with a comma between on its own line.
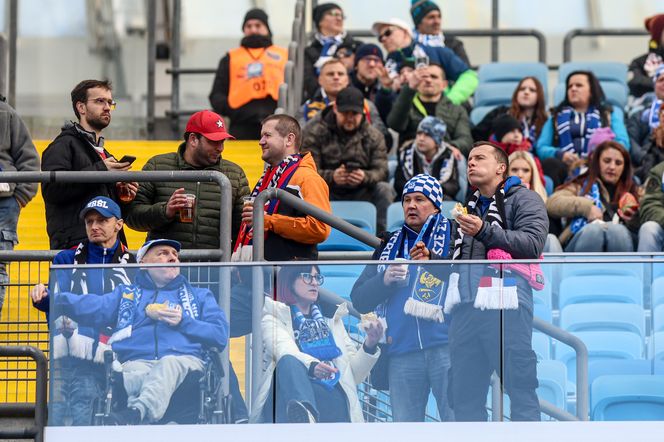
x=434, y=127
x=428, y=186
x=256, y=14
x=503, y=125
x=420, y=8
x=367, y=50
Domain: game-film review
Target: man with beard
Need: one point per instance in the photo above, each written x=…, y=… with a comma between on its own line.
x=80, y=147
x=246, y=86
x=350, y=154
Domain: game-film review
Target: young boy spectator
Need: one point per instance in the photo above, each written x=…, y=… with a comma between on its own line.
x=429, y=155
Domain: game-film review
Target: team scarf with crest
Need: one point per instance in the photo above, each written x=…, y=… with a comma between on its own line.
x=576, y=128
x=273, y=177
x=494, y=292
x=79, y=341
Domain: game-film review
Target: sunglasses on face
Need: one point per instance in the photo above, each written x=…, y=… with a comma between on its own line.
x=336, y=14
x=385, y=34
x=309, y=278
x=344, y=53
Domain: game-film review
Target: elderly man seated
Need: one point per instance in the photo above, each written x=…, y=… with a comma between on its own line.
x=161, y=325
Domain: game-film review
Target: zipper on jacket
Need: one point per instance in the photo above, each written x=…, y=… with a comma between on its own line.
x=419, y=336
x=197, y=213
x=156, y=343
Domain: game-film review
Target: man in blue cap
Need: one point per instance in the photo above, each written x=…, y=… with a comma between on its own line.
x=77, y=351
x=160, y=324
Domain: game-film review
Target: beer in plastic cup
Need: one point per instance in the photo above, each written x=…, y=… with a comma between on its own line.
x=188, y=212
x=124, y=194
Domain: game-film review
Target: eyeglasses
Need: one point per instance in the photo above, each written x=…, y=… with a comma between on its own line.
x=372, y=59
x=336, y=14
x=309, y=278
x=384, y=35
x=102, y=101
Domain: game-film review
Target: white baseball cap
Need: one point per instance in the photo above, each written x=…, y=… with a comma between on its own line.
x=156, y=242
x=375, y=28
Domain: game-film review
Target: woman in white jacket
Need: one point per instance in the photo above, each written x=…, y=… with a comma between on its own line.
x=313, y=365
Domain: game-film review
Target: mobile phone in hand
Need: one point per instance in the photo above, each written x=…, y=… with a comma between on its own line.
x=127, y=159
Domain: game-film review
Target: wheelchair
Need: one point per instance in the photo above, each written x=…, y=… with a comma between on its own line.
x=198, y=400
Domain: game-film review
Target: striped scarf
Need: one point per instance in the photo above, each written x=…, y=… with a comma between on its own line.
x=493, y=292
x=575, y=129
x=273, y=177
x=430, y=40
x=580, y=222
x=407, y=160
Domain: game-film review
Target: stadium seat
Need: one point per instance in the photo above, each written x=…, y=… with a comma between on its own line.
x=462, y=168
x=602, y=345
x=513, y=73
x=656, y=351
x=576, y=267
x=627, y=398
x=494, y=94
x=478, y=113
x=600, y=288
x=615, y=93
x=361, y=214
x=603, y=317
x=657, y=291
x=341, y=285
x=548, y=185
x=552, y=377
x=604, y=71
x=394, y=216
x=332, y=270
x=658, y=318
x=542, y=311
x=541, y=346
x=613, y=367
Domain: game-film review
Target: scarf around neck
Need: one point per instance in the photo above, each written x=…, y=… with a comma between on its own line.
x=593, y=194
x=575, y=129
x=408, y=155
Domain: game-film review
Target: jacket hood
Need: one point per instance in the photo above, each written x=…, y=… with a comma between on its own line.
x=308, y=161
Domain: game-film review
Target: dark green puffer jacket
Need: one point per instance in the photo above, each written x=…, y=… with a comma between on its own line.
x=147, y=213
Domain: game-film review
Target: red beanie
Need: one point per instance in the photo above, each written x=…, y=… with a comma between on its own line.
x=655, y=25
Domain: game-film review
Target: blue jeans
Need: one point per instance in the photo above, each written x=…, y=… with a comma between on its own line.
x=75, y=384
x=9, y=210
x=606, y=237
x=291, y=382
x=412, y=376
x=651, y=237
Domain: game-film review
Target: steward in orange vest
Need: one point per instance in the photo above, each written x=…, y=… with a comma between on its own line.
x=246, y=86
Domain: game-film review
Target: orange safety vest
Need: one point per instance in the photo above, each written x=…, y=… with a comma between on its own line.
x=255, y=73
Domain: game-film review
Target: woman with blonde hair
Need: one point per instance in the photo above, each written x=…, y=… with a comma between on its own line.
x=522, y=164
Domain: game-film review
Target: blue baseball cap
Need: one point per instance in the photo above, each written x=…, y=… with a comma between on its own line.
x=156, y=242
x=104, y=205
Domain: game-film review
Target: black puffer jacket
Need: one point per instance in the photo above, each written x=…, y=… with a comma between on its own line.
x=71, y=151
x=147, y=212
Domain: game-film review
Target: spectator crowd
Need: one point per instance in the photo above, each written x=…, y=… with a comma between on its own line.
x=584, y=176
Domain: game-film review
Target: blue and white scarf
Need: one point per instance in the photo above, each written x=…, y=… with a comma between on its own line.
x=429, y=39
x=131, y=297
x=494, y=292
x=580, y=222
x=330, y=45
x=406, y=157
x=651, y=116
x=575, y=129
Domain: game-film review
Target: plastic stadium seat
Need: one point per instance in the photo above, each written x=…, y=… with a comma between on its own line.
x=552, y=377
x=394, y=216
x=462, y=168
x=478, y=113
x=657, y=291
x=494, y=94
x=658, y=318
x=341, y=285
x=576, y=267
x=600, y=288
x=361, y=214
x=603, y=317
x=602, y=345
x=513, y=72
x=657, y=347
x=332, y=270
x=604, y=71
x=615, y=93
x=657, y=270
x=542, y=311
x=612, y=367
x=627, y=398
x=541, y=346
x=548, y=185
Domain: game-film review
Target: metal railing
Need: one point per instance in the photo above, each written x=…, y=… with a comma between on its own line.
x=36, y=431
x=492, y=33
x=574, y=33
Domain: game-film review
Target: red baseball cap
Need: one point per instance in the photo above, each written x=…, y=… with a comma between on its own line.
x=208, y=124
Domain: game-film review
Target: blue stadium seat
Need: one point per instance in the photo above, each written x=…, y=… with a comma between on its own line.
x=600, y=288
x=658, y=319
x=612, y=367
x=552, y=377
x=494, y=94
x=657, y=270
x=604, y=71
x=341, y=285
x=513, y=73
x=394, y=216
x=615, y=93
x=332, y=270
x=478, y=113
x=541, y=346
x=548, y=184
x=602, y=316
x=462, y=168
x=657, y=347
x=542, y=311
x=361, y=214
x=657, y=291
x=627, y=398
x=602, y=345
x=576, y=267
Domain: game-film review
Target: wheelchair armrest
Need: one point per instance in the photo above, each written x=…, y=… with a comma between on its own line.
x=215, y=357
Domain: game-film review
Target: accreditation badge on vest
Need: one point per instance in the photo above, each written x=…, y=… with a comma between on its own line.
x=255, y=70
x=426, y=299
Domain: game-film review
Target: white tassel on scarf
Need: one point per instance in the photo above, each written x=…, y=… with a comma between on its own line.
x=453, y=296
x=423, y=310
x=497, y=294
